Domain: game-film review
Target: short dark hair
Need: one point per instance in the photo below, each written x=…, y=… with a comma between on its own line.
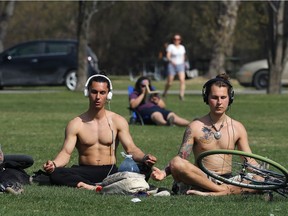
x=100, y=79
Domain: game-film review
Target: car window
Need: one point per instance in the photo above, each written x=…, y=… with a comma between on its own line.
x=60, y=48
x=26, y=50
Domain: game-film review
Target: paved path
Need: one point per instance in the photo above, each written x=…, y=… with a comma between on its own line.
x=198, y=92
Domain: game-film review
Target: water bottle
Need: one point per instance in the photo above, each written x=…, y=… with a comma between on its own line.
x=128, y=165
x=1, y=155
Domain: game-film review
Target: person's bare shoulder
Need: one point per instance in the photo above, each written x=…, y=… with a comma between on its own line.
x=196, y=125
x=198, y=121
x=78, y=119
x=117, y=119
x=237, y=125
x=75, y=124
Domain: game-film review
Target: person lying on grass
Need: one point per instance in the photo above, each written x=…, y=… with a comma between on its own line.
x=95, y=134
x=215, y=130
x=151, y=107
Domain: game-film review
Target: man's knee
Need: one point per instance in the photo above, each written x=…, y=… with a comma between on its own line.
x=182, y=82
x=156, y=116
x=54, y=176
x=177, y=165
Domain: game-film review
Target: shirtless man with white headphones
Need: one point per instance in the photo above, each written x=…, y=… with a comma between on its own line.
x=95, y=134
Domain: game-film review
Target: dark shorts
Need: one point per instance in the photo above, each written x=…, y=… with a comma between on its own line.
x=146, y=114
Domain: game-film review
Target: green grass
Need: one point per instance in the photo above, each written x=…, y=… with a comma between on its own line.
x=33, y=124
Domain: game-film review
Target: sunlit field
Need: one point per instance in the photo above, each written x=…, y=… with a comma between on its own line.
x=33, y=120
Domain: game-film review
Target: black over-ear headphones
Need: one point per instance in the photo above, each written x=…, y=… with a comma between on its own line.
x=110, y=93
x=208, y=84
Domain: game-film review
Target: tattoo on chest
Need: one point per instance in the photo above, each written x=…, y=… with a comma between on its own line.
x=207, y=137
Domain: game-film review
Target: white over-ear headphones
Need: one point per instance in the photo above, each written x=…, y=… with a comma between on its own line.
x=110, y=94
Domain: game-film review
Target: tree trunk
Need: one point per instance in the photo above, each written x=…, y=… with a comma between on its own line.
x=277, y=45
x=4, y=19
x=224, y=36
x=86, y=11
x=82, y=43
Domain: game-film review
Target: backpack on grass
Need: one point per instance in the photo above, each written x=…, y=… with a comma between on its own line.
x=124, y=183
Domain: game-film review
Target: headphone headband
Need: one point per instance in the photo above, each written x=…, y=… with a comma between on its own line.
x=209, y=82
x=110, y=94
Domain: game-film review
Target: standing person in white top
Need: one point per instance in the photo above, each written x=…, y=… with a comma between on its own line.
x=176, y=57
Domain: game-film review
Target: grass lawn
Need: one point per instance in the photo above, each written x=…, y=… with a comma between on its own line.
x=33, y=123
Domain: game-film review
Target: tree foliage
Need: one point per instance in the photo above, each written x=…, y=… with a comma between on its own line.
x=223, y=47
x=6, y=11
x=130, y=32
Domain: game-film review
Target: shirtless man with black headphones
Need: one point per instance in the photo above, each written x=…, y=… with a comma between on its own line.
x=95, y=134
x=216, y=130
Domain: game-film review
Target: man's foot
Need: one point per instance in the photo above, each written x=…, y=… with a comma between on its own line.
x=163, y=193
x=170, y=121
x=181, y=98
x=199, y=193
x=83, y=185
x=86, y=186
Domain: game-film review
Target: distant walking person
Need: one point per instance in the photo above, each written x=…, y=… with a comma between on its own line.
x=176, y=57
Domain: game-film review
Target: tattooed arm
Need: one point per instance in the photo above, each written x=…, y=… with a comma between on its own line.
x=184, y=152
x=185, y=148
x=187, y=144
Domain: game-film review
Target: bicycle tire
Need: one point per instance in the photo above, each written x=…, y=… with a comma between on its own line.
x=272, y=178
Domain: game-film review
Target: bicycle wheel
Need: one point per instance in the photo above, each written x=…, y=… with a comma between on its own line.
x=245, y=169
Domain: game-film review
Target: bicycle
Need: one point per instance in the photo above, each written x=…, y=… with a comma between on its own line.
x=246, y=170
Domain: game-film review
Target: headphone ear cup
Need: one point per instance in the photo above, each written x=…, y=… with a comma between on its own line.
x=109, y=96
x=231, y=98
x=205, y=99
x=86, y=93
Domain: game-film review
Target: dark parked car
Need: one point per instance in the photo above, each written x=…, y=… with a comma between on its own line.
x=43, y=62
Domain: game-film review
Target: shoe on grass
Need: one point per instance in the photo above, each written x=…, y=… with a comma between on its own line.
x=170, y=121
x=14, y=189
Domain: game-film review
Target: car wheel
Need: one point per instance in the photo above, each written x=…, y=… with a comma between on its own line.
x=261, y=79
x=71, y=80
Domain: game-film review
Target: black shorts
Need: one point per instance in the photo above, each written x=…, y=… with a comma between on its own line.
x=146, y=114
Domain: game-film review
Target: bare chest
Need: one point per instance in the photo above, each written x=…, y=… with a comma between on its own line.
x=208, y=139
x=95, y=134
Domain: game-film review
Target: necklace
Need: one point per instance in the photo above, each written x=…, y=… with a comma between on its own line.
x=217, y=134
